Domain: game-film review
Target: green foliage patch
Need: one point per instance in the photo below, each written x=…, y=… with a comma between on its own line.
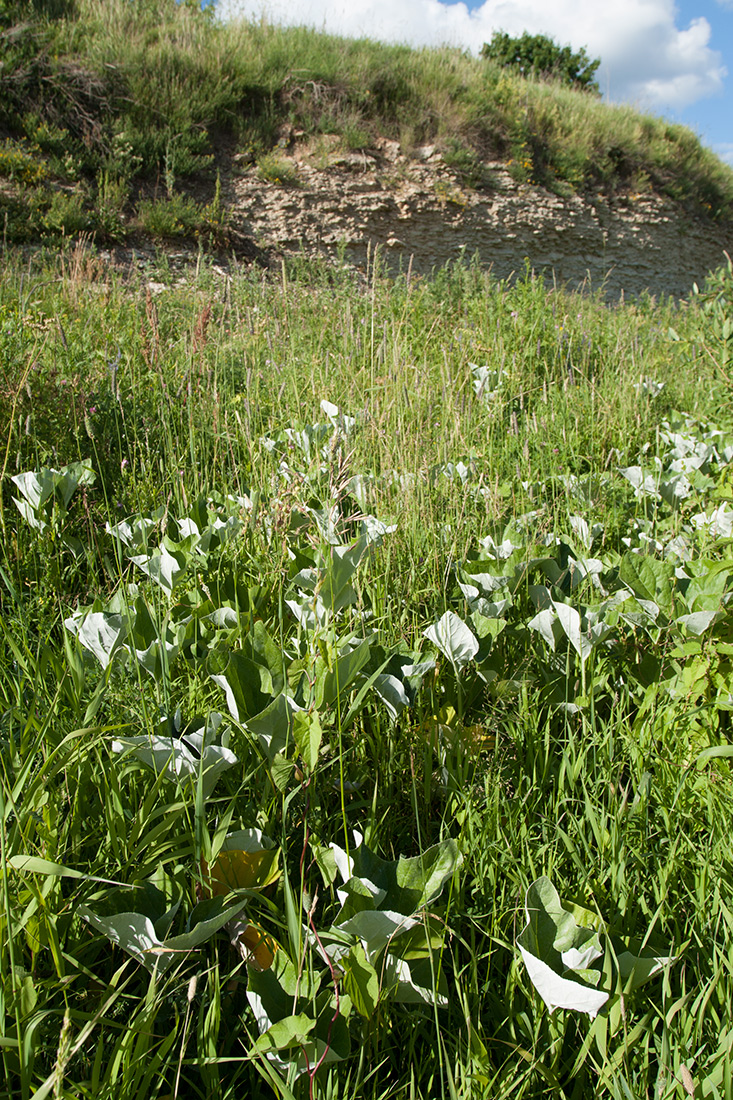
x=539, y=56
x=365, y=685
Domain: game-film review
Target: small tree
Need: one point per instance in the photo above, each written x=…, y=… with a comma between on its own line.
x=538, y=55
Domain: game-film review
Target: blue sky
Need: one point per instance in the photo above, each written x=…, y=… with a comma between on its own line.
x=712, y=118
x=668, y=57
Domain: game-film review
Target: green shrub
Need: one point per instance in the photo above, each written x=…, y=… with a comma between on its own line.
x=174, y=216
x=66, y=213
x=215, y=218
x=389, y=91
x=112, y=194
x=356, y=138
x=537, y=55
x=20, y=164
x=19, y=218
x=466, y=163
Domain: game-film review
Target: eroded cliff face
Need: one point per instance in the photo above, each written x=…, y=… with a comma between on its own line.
x=412, y=210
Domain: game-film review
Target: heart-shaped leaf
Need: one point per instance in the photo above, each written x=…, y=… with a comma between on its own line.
x=454, y=640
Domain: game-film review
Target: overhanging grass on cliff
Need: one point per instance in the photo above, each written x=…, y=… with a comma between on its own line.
x=108, y=99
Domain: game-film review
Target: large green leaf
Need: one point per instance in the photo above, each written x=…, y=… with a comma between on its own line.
x=649, y=579
x=376, y=928
x=161, y=566
x=101, y=632
x=341, y=565
x=407, y=884
x=636, y=970
x=248, y=686
x=135, y=933
x=39, y=486
x=134, y=532
x=308, y=736
x=329, y=582
x=454, y=640
x=36, y=486
x=569, y=618
x=332, y=681
x=360, y=981
x=392, y=693
x=699, y=621
x=266, y=652
x=273, y=727
x=558, y=953
x=357, y=894
x=291, y=1032
x=414, y=982
x=286, y=1002
x=547, y=624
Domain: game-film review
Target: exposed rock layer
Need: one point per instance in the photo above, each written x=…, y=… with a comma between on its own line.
x=413, y=210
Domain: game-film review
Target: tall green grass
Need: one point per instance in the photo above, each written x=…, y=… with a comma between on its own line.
x=168, y=392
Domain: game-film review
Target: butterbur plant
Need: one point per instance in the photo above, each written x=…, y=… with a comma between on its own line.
x=46, y=495
x=186, y=756
x=139, y=922
x=573, y=963
x=384, y=909
x=559, y=953
x=454, y=639
x=488, y=384
x=467, y=649
x=384, y=945
x=300, y=1017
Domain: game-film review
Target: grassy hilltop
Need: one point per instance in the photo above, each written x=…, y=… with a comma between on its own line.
x=116, y=118
x=366, y=653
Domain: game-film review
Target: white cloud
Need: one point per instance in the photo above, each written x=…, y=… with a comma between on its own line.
x=646, y=57
x=725, y=151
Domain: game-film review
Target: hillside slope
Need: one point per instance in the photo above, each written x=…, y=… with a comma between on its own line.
x=145, y=121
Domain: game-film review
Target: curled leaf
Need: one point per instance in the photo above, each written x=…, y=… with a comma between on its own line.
x=254, y=945
x=183, y=758
x=558, y=953
x=454, y=640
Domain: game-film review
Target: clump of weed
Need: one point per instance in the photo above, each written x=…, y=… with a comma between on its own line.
x=66, y=213
x=169, y=216
x=215, y=224
x=467, y=164
x=109, y=207
x=272, y=168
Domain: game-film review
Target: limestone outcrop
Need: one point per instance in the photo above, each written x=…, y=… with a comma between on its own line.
x=412, y=210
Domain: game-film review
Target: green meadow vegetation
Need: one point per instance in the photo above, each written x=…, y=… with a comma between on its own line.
x=365, y=683
x=365, y=656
